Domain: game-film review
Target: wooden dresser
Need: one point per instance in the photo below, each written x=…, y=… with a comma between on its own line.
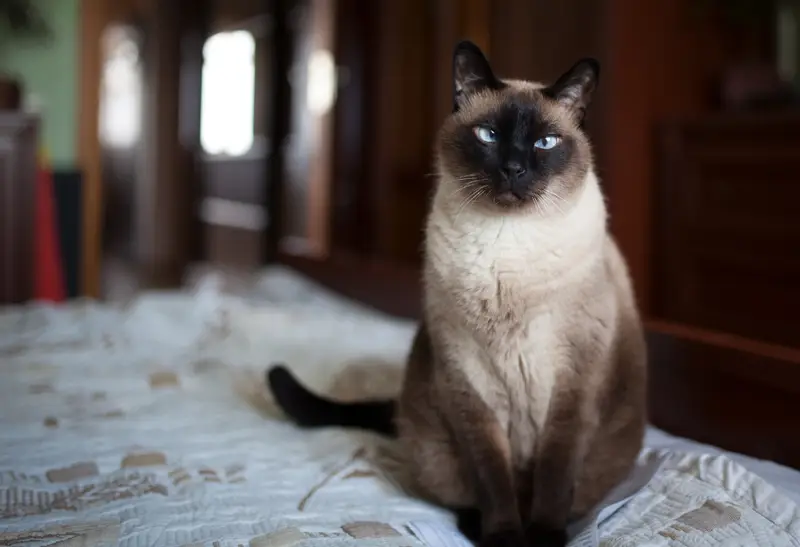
x=18, y=150
x=727, y=239
x=725, y=253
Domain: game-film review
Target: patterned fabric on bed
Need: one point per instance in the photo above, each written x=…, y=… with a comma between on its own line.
x=147, y=424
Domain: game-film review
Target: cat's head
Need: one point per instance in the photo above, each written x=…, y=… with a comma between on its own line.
x=510, y=143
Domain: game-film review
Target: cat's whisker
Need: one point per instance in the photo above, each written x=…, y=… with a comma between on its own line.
x=537, y=203
x=469, y=200
x=469, y=176
x=556, y=196
x=470, y=183
x=460, y=189
x=543, y=200
x=549, y=198
x=462, y=204
x=472, y=198
x=547, y=203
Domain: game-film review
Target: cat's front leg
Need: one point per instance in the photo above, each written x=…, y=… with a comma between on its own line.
x=561, y=452
x=484, y=450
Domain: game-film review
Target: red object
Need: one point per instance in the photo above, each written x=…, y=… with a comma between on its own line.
x=48, y=270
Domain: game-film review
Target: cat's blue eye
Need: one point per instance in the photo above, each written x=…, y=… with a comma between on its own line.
x=485, y=134
x=548, y=142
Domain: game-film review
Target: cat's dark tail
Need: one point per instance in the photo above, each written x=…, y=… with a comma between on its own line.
x=310, y=410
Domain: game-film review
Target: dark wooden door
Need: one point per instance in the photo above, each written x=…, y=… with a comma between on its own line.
x=242, y=200
x=18, y=153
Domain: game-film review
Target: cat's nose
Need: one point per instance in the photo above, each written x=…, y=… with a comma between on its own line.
x=513, y=170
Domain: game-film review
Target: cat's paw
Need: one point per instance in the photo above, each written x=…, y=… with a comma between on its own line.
x=506, y=538
x=537, y=535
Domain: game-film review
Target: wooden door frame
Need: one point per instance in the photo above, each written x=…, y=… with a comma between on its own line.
x=94, y=17
x=279, y=123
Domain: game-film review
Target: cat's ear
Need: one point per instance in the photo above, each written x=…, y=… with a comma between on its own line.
x=471, y=73
x=575, y=87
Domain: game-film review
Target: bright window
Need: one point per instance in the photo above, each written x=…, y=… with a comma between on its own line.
x=227, y=104
x=121, y=89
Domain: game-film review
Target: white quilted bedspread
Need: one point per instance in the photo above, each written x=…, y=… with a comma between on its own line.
x=148, y=424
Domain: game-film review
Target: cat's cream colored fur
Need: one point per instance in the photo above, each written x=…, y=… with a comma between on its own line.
x=524, y=269
x=504, y=295
x=526, y=311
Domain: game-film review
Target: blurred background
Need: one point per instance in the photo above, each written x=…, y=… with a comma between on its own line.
x=233, y=134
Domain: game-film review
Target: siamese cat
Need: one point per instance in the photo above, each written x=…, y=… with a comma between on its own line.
x=523, y=402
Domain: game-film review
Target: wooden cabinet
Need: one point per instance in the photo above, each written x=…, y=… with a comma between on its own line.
x=727, y=248
x=18, y=149
x=725, y=263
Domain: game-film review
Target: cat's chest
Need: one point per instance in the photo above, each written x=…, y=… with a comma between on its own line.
x=503, y=277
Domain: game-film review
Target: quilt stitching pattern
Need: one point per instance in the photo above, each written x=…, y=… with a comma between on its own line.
x=146, y=424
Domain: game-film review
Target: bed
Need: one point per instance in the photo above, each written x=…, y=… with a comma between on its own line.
x=147, y=423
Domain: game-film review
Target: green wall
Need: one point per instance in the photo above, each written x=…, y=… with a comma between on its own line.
x=50, y=75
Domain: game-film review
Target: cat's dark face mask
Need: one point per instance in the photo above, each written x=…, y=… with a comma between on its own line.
x=514, y=143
